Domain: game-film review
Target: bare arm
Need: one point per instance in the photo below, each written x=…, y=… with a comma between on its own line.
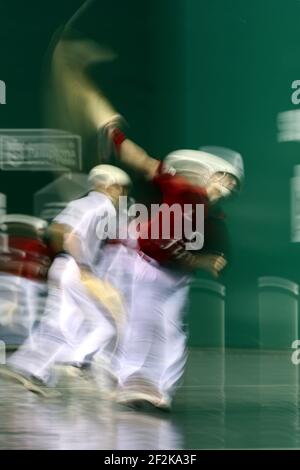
x=72, y=101
x=56, y=234
x=81, y=105
x=128, y=151
x=64, y=238
x=138, y=159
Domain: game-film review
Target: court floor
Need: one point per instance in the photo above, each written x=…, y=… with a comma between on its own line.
x=234, y=399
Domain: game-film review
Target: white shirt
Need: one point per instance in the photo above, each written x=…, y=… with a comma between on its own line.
x=85, y=216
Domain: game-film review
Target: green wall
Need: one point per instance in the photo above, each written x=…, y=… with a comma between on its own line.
x=241, y=58
x=190, y=73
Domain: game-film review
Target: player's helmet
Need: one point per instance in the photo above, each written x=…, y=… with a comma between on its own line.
x=107, y=175
x=203, y=163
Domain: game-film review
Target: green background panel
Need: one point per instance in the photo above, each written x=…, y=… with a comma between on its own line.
x=190, y=73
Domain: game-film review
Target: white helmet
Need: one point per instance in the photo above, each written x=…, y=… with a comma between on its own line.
x=206, y=161
x=106, y=175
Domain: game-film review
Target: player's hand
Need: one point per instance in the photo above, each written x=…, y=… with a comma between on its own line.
x=212, y=263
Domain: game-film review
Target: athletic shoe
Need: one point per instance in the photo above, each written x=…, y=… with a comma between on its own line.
x=31, y=383
x=140, y=394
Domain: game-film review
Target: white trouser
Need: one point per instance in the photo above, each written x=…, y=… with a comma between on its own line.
x=117, y=267
x=21, y=303
x=73, y=326
x=154, y=344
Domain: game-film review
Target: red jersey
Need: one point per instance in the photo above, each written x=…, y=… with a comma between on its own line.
x=26, y=257
x=178, y=190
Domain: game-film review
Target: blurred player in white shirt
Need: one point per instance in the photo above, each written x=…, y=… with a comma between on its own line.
x=81, y=310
